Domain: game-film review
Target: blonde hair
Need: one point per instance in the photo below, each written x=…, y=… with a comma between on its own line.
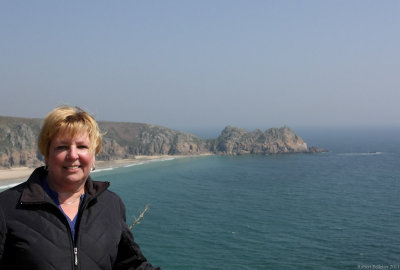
x=68, y=120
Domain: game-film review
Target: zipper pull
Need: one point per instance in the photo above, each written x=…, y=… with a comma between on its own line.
x=76, y=255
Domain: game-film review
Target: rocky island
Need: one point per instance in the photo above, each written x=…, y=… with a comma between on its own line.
x=18, y=142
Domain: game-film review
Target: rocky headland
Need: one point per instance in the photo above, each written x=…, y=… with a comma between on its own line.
x=18, y=142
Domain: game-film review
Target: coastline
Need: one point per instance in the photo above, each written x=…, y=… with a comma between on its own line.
x=13, y=176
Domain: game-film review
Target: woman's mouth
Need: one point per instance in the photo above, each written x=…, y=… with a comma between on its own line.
x=71, y=167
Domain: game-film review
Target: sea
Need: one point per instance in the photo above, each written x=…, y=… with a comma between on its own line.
x=333, y=210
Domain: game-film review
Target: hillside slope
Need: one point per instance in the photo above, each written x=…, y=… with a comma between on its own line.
x=18, y=142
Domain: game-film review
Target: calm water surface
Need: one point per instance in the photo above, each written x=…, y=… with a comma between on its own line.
x=337, y=210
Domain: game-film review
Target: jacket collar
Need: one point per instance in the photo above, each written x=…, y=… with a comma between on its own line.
x=33, y=191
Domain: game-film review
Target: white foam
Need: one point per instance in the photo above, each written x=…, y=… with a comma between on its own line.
x=149, y=161
x=166, y=159
x=134, y=164
x=361, y=154
x=161, y=159
x=102, y=170
x=9, y=186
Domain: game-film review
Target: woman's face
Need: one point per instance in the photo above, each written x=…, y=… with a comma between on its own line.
x=70, y=159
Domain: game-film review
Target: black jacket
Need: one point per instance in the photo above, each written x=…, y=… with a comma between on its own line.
x=35, y=235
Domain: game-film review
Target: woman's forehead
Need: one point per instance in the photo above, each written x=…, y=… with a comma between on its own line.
x=69, y=135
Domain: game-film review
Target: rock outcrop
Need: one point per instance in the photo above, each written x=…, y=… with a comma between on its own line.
x=123, y=140
x=18, y=142
x=237, y=141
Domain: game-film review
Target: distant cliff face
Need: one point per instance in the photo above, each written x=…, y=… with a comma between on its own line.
x=234, y=141
x=18, y=142
x=124, y=140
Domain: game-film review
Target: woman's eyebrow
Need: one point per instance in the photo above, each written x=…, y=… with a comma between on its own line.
x=66, y=141
x=62, y=142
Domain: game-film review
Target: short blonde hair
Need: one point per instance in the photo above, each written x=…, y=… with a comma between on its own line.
x=69, y=120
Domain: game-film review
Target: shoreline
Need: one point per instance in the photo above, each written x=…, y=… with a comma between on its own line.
x=13, y=176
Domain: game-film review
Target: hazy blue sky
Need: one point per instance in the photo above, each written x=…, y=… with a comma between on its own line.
x=204, y=64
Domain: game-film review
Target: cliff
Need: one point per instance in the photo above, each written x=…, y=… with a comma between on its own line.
x=236, y=141
x=125, y=140
x=18, y=142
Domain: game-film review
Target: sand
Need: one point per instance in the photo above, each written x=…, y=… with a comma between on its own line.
x=19, y=174
x=15, y=173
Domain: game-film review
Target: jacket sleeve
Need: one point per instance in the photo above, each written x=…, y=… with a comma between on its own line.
x=129, y=255
x=3, y=232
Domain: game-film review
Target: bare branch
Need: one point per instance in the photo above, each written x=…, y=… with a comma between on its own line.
x=141, y=216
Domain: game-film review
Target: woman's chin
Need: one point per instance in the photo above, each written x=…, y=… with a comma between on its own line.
x=72, y=176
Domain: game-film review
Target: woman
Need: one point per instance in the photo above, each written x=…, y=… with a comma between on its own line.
x=60, y=218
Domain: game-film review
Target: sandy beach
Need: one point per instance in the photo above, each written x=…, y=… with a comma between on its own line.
x=19, y=174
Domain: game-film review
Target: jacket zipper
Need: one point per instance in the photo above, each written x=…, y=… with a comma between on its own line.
x=74, y=243
x=76, y=256
x=75, y=248
x=82, y=207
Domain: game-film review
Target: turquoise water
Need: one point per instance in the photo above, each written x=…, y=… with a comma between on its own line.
x=337, y=210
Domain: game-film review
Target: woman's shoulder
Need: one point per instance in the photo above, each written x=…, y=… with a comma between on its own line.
x=9, y=198
x=111, y=195
x=101, y=190
x=14, y=191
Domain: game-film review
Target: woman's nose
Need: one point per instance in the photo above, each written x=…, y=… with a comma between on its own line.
x=73, y=153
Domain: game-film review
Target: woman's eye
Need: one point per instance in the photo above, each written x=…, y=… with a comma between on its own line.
x=62, y=147
x=83, y=147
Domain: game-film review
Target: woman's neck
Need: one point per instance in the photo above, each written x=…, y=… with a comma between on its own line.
x=66, y=189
